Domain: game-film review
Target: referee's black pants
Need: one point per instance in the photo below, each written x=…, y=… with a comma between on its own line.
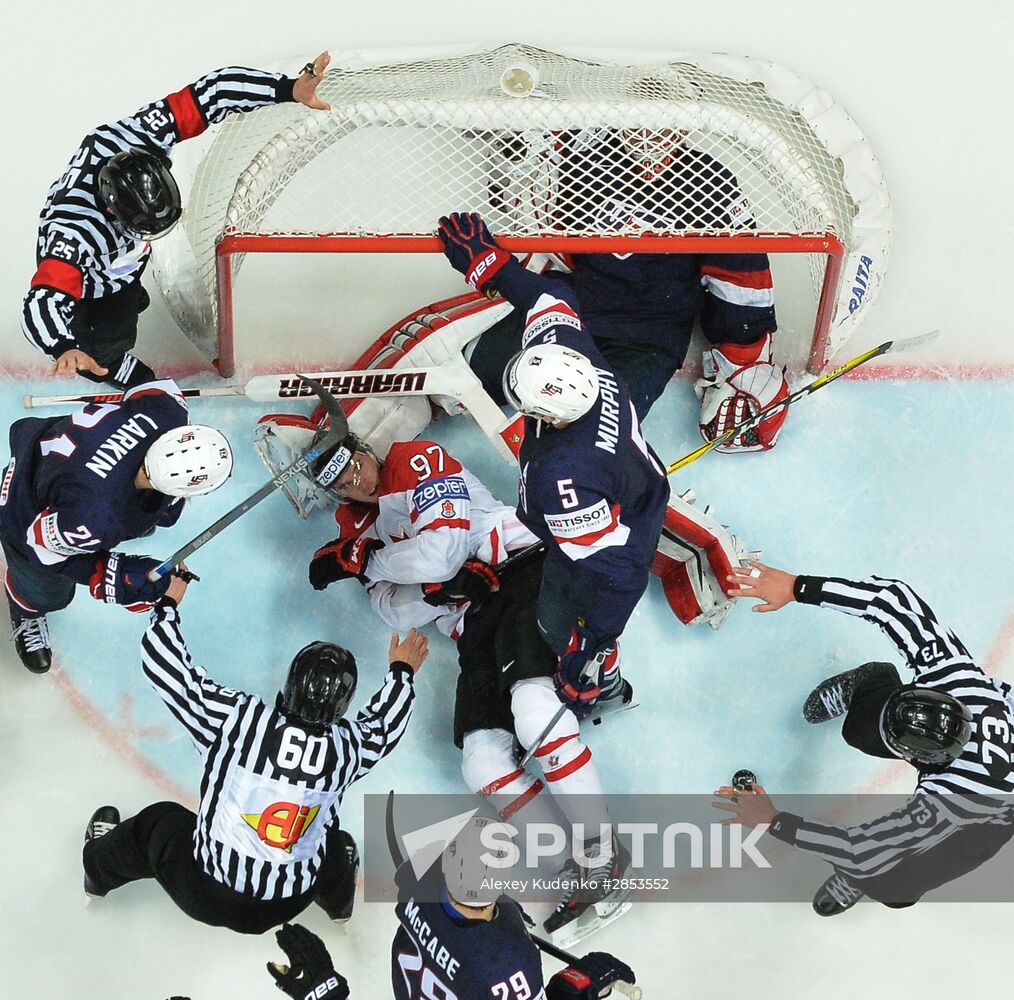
x=158, y=843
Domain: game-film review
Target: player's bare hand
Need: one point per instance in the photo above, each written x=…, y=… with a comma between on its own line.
x=305, y=88
x=751, y=807
x=413, y=649
x=73, y=361
x=771, y=586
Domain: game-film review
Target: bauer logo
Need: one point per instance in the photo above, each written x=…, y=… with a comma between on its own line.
x=574, y=524
x=367, y=384
x=437, y=491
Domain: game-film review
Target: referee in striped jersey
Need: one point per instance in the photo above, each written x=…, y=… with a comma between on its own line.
x=265, y=842
x=116, y=196
x=954, y=724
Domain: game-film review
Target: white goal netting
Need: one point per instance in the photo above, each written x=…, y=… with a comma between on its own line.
x=548, y=148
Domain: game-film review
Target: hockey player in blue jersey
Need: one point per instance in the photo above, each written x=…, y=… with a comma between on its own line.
x=460, y=938
x=590, y=485
x=640, y=308
x=78, y=486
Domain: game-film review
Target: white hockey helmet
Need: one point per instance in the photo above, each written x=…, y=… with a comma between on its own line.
x=551, y=380
x=188, y=461
x=469, y=879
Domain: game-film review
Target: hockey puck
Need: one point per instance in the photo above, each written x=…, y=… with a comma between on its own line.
x=743, y=781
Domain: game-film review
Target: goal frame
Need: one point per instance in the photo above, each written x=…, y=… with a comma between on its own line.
x=813, y=243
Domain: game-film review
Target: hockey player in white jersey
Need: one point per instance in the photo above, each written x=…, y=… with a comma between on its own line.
x=265, y=842
x=423, y=535
x=116, y=196
x=954, y=725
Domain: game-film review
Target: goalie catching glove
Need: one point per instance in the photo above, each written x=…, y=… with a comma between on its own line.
x=471, y=249
x=342, y=559
x=474, y=582
x=310, y=972
x=122, y=579
x=740, y=381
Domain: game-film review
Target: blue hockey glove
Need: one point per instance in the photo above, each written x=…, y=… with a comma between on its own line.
x=572, y=683
x=589, y=977
x=122, y=579
x=471, y=249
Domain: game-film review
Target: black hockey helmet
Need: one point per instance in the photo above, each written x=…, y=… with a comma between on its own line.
x=140, y=191
x=925, y=726
x=321, y=682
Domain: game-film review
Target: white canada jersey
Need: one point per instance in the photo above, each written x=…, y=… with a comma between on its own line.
x=272, y=785
x=433, y=515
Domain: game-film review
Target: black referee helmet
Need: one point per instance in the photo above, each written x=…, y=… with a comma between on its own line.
x=140, y=191
x=321, y=682
x=925, y=726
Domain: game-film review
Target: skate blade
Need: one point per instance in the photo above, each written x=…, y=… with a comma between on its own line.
x=593, y=920
x=596, y=717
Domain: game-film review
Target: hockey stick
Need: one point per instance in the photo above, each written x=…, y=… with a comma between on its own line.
x=627, y=989
x=890, y=347
x=588, y=672
x=339, y=428
x=448, y=380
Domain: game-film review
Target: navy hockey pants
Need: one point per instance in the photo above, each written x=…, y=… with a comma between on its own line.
x=33, y=590
x=158, y=843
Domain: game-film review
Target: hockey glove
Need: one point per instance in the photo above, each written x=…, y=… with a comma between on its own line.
x=310, y=971
x=122, y=579
x=589, y=978
x=474, y=582
x=577, y=683
x=342, y=559
x=471, y=249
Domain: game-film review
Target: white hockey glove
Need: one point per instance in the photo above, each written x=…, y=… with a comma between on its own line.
x=695, y=556
x=739, y=381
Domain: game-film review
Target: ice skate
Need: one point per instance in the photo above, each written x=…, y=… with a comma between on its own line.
x=103, y=820
x=338, y=903
x=590, y=898
x=838, y=894
x=619, y=699
x=31, y=640
x=832, y=697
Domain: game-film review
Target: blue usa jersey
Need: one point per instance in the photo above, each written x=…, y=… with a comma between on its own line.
x=68, y=494
x=654, y=299
x=439, y=953
x=594, y=491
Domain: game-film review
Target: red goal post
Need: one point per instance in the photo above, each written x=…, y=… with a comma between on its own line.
x=681, y=154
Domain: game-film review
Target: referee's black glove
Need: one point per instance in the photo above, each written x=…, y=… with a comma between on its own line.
x=310, y=968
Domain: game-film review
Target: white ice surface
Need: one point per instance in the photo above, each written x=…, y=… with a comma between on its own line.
x=907, y=479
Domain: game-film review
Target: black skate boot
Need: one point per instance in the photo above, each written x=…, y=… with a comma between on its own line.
x=832, y=697
x=591, y=897
x=337, y=901
x=31, y=640
x=103, y=820
x=838, y=894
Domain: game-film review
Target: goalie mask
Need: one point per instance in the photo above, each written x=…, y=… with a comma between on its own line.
x=321, y=682
x=925, y=726
x=551, y=381
x=188, y=461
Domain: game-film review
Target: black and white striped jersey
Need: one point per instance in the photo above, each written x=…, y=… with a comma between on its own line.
x=272, y=785
x=81, y=253
x=976, y=788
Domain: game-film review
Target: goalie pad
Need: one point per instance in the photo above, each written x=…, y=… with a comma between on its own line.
x=739, y=381
x=695, y=556
x=279, y=439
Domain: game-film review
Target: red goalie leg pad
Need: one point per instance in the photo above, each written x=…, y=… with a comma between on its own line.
x=679, y=593
x=696, y=532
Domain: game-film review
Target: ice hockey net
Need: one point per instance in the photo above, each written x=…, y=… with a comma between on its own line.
x=505, y=131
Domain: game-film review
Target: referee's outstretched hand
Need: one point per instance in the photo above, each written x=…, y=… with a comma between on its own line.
x=304, y=89
x=773, y=587
x=413, y=649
